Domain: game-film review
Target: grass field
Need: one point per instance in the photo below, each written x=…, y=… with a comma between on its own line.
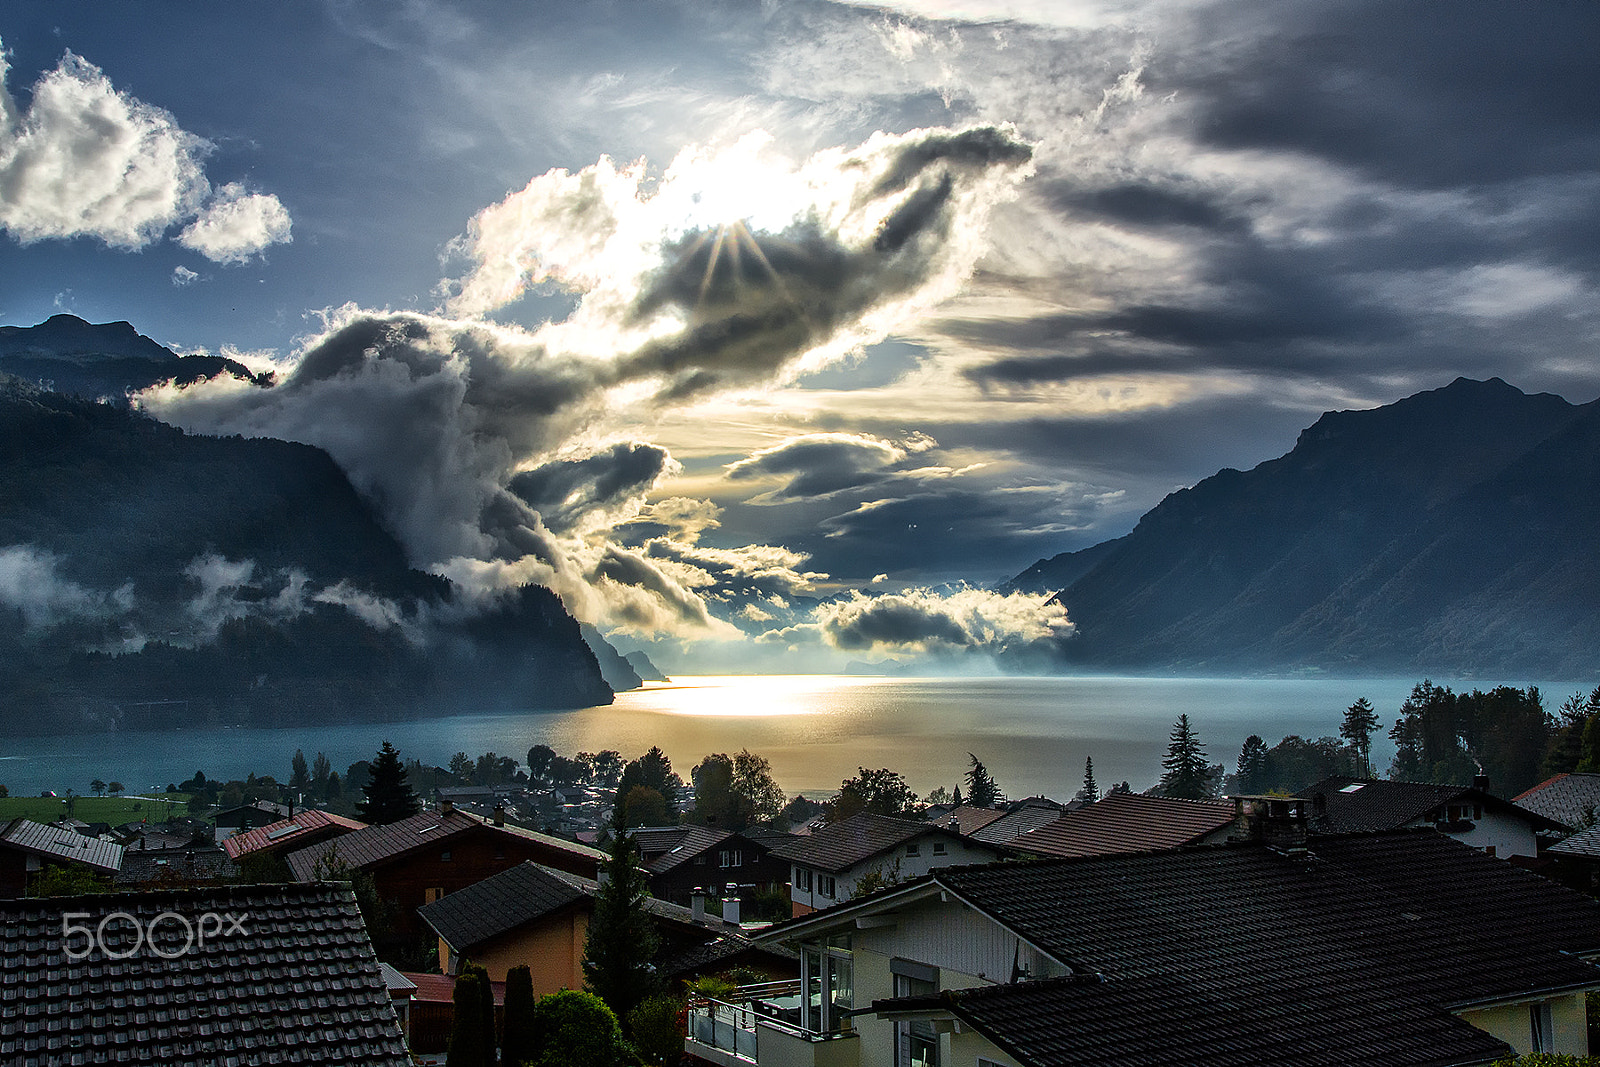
x=113, y=810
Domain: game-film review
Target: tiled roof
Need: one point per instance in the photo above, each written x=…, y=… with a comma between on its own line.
x=966, y=818
x=1570, y=799
x=1583, y=843
x=284, y=833
x=1353, y=952
x=1342, y=804
x=52, y=842
x=1127, y=822
x=529, y=891
x=839, y=846
x=441, y=988
x=1013, y=824
x=174, y=867
x=375, y=844
x=666, y=847
x=295, y=983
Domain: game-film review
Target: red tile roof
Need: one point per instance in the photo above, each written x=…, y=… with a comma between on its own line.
x=288, y=834
x=1127, y=822
x=375, y=844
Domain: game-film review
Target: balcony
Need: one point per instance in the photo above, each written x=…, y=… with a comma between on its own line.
x=769, y=1025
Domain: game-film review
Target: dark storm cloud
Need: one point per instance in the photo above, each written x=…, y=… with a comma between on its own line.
x=564, y=491
x=1431, y=94
x=898, y=622
x=1143, y=204
x=974, y=149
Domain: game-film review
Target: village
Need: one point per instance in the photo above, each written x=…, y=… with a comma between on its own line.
x=717, y=922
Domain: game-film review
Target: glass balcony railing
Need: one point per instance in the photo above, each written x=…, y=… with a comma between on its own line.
x=735, y=1026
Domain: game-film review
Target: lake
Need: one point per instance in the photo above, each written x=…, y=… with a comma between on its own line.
x=1032, y=733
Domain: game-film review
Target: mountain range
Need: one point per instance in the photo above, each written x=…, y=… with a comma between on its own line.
x=1453, y=532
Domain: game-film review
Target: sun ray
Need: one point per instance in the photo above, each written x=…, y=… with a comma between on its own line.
x=711, y=264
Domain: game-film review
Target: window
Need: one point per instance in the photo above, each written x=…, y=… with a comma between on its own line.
x=938, y=848
x=444, y=857
x=700, y=861
x=825, y=885
x=802, y=879
x=1542, y=1027
x=913, y=849
x=916, y=1043
x=731, y=857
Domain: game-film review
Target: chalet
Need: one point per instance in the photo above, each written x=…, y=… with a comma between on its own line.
x=1470, y=814
x=310, y=827
x=420, y=859
x=28, y=847
x=539, y=916
x=832, y=864
x=1403, y=948
x=248, y=816
x=194, y=978
x=682, y=859
x=1570, y=799
x=1129, y=822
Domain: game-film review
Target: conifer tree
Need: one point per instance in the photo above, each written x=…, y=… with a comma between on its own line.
x=470, y=1044
x=519, y=1039
x=1250, y=775
x=982, y=790
x=388, y=796
x=1186, y=774
x=1091, y=789
x=1360, y=720
x=622, y=940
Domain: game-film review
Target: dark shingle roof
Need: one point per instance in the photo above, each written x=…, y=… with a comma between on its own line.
x=841, y=845
x=1353, y=951
x=1570, y=799
x=1584, y=843
x=56, y=843
x=297, y=983
x=1127, y=822
x=665, y=847
x=1341, y=804
x=967, y=818
x=1013, y=824
x=175, y=867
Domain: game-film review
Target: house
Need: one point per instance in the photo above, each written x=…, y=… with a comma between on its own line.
x=1129, y=822
x=194, y=978
x=833, y=863
x=1401, y=948
x=432, y=1011
x=1470, y=814
x=28, y=847
x=1021, y=817
x=539, y=916
x=1570, y=799
x=420, y=859
x=310, y=827
x=175, y=868
x=248, y=816
x=682, y=859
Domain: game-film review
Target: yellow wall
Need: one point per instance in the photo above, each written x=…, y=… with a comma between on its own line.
x=552, y=950
x=1510, y=1024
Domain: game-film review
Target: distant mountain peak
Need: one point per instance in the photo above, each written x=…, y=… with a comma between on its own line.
x=68, y=336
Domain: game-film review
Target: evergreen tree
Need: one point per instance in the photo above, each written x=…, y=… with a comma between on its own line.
x=1359, y=722
x=470, y=1044
x=622, y=939
x=519, y=1040
x=299, y=771
x=1185, y=772
x=955, y=798
x=388, y=796
x=320, y=769
x=1091, y=789
x=982, y=790
x=654, y=771
x=1251, y=773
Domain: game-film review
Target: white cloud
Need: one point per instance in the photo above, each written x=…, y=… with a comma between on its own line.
x=236, y=225
x=30, y=584
x=182, y=276
x=931, y=621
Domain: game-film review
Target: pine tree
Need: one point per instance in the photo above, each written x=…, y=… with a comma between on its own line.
x=622, y=940
x=1186, y=774
x=1251, y=773
x=1360, y=720
x=299, y=771
x=982, y=790
x=1091, y=789
x=470, y=1044
x=387, y=791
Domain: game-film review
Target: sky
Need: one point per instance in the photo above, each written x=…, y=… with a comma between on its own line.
x=774, y=335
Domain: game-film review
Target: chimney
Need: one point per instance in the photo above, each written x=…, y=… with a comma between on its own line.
x=1277, y=822
x=697, y=903
x=499, y=814
x=730, y=904
x=447, y=806
x=1480, y=782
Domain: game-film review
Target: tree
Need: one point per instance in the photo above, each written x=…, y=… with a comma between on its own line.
x=387, y=793
x=881, y=792
x=643, y=806
x=461, y=767
x=519, y=1040
x=655, y=1030
x=97, y=787
x=1185, y=772
x=576, y=1027
x=115, y=788
x=1359, y=723
x=982, y=790
x=539, y=758
x=320, y=769
x=1091, y=789
x=752, y=779
x=471, y=1044
x=716, y=803
x=939, y=798
x=492, y=769
x=607, y=766
x=1565, y=750
x=1250, y=777
x=1427, y=737
x=622, y=940
x=299, y=771
x=652, y=769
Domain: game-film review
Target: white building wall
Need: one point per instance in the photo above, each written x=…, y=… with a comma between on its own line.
x=900, y=864
x=1508, y=836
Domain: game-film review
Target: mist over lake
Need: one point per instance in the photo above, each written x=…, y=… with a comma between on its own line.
x=1032, y=733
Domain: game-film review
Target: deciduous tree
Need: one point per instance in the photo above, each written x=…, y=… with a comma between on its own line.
x=881, y=792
